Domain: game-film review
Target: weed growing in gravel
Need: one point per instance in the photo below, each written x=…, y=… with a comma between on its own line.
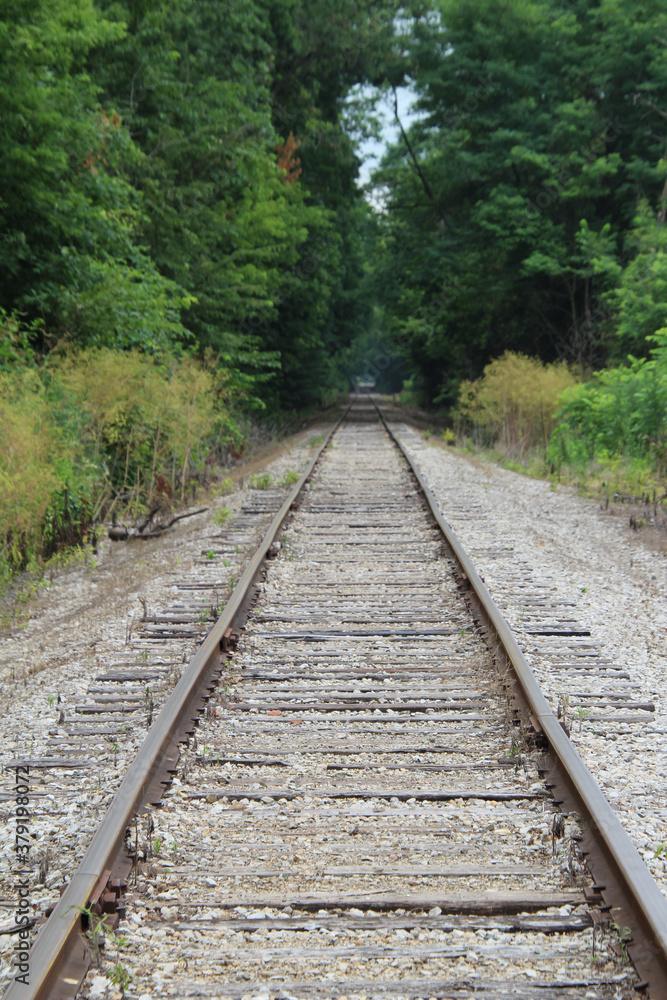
x=222, y=516
x=582, y=714
x=623, y=936
x=226, y=487
x=94, y=926
x=316, y=440
x=210, y=554
x=289, y=478
x=119, y=974
x=149, y=706
x=263, y=482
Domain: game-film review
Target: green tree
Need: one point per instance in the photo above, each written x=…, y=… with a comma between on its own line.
x=534, y=120
x=71, y=249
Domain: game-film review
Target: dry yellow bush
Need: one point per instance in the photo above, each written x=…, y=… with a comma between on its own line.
x=93, y=428
x=514, y=402
x=34, y=463
x=153, y=416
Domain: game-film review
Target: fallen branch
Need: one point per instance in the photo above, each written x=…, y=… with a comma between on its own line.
x=120, y=532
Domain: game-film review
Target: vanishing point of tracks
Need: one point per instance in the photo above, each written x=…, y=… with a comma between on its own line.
x=378, y=802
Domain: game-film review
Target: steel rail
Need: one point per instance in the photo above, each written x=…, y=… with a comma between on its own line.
x=624, y=882
x=60, y=943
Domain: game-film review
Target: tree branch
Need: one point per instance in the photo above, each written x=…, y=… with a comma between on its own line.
x=415, y=161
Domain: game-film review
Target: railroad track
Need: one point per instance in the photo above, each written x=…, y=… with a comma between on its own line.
x=370, y=805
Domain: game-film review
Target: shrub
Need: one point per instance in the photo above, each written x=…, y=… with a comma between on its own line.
x=15, y=351
x=261, y=482
x=91, y=429
x=514, y=402
x=146, y=418
x=620, y=412
x=35, y=464
x=225, y=487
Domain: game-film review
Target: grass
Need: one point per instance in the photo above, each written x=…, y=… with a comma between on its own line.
x=289, y=478
x=225, y=488
x=222, y=516
x=261, y=482
x=617, y=479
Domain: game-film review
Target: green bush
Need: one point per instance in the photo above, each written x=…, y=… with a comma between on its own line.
x=620, y=412
x=37, y=463
x=146, y=418
x=261, y=482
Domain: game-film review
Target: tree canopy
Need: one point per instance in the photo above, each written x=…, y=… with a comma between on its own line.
x=525, y=207
x=182, y=175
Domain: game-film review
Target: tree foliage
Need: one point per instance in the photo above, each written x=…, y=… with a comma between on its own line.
x=179, y=190
x=71, y=249
x=152, y=192
x=510, y=202
x=619, y=412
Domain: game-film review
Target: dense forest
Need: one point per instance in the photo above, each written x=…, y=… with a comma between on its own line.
x=185, y=243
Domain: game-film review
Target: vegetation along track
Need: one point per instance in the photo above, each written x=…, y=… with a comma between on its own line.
x=370, y=807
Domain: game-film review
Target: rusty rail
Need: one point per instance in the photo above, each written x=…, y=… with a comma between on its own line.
x=59, y=959
x=630, y=894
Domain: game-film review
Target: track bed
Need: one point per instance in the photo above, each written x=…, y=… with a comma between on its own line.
x=358, y=816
